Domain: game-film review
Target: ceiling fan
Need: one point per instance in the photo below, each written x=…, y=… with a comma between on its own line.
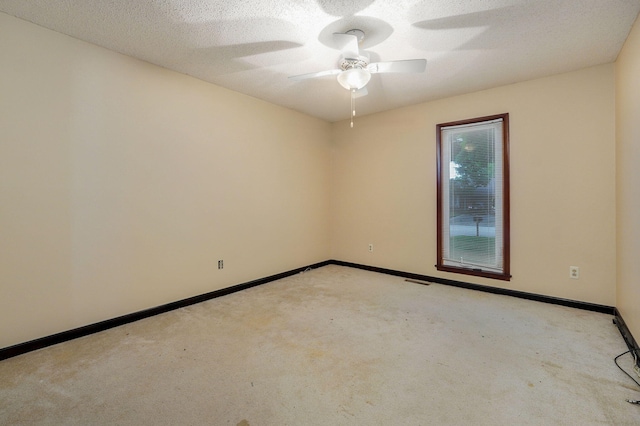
x=355, y=70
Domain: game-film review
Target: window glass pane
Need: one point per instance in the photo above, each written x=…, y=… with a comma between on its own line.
x=471, y=215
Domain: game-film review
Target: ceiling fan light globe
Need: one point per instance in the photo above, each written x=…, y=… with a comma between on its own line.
x=354, y=78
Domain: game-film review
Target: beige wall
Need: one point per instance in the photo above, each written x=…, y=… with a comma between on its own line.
x=628, y=180
x=122, y=184
x=562, y=184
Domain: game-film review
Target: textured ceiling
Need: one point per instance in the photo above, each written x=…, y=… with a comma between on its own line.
x=252, y=46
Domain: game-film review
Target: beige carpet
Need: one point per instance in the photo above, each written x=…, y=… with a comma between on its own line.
x=333, y=346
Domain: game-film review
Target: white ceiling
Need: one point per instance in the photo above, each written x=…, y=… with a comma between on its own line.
x=252, y=46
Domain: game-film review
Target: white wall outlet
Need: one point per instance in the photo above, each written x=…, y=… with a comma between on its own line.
x=220, y=264
x=574, y=272
x=371, y=247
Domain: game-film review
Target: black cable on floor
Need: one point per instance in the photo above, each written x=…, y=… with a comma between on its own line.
x=616, y=361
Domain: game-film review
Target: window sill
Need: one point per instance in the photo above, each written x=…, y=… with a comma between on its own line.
x=475, y=272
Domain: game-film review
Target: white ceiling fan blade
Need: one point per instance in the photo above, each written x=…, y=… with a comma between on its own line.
x=348, y=44
x=360, y=93
x=315, y=74
x=406, y=66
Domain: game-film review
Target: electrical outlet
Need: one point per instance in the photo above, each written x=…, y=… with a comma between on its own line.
x=220, y=264
x=574, y=272
x=371, y=247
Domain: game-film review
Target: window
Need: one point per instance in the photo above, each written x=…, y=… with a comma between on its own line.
x=473, y=196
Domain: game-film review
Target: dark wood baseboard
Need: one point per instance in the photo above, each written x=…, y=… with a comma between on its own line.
x=627, y=336
x=64, y=336
x=506, y=292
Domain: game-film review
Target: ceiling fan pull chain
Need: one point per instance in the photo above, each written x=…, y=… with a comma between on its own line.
x=353, y=105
